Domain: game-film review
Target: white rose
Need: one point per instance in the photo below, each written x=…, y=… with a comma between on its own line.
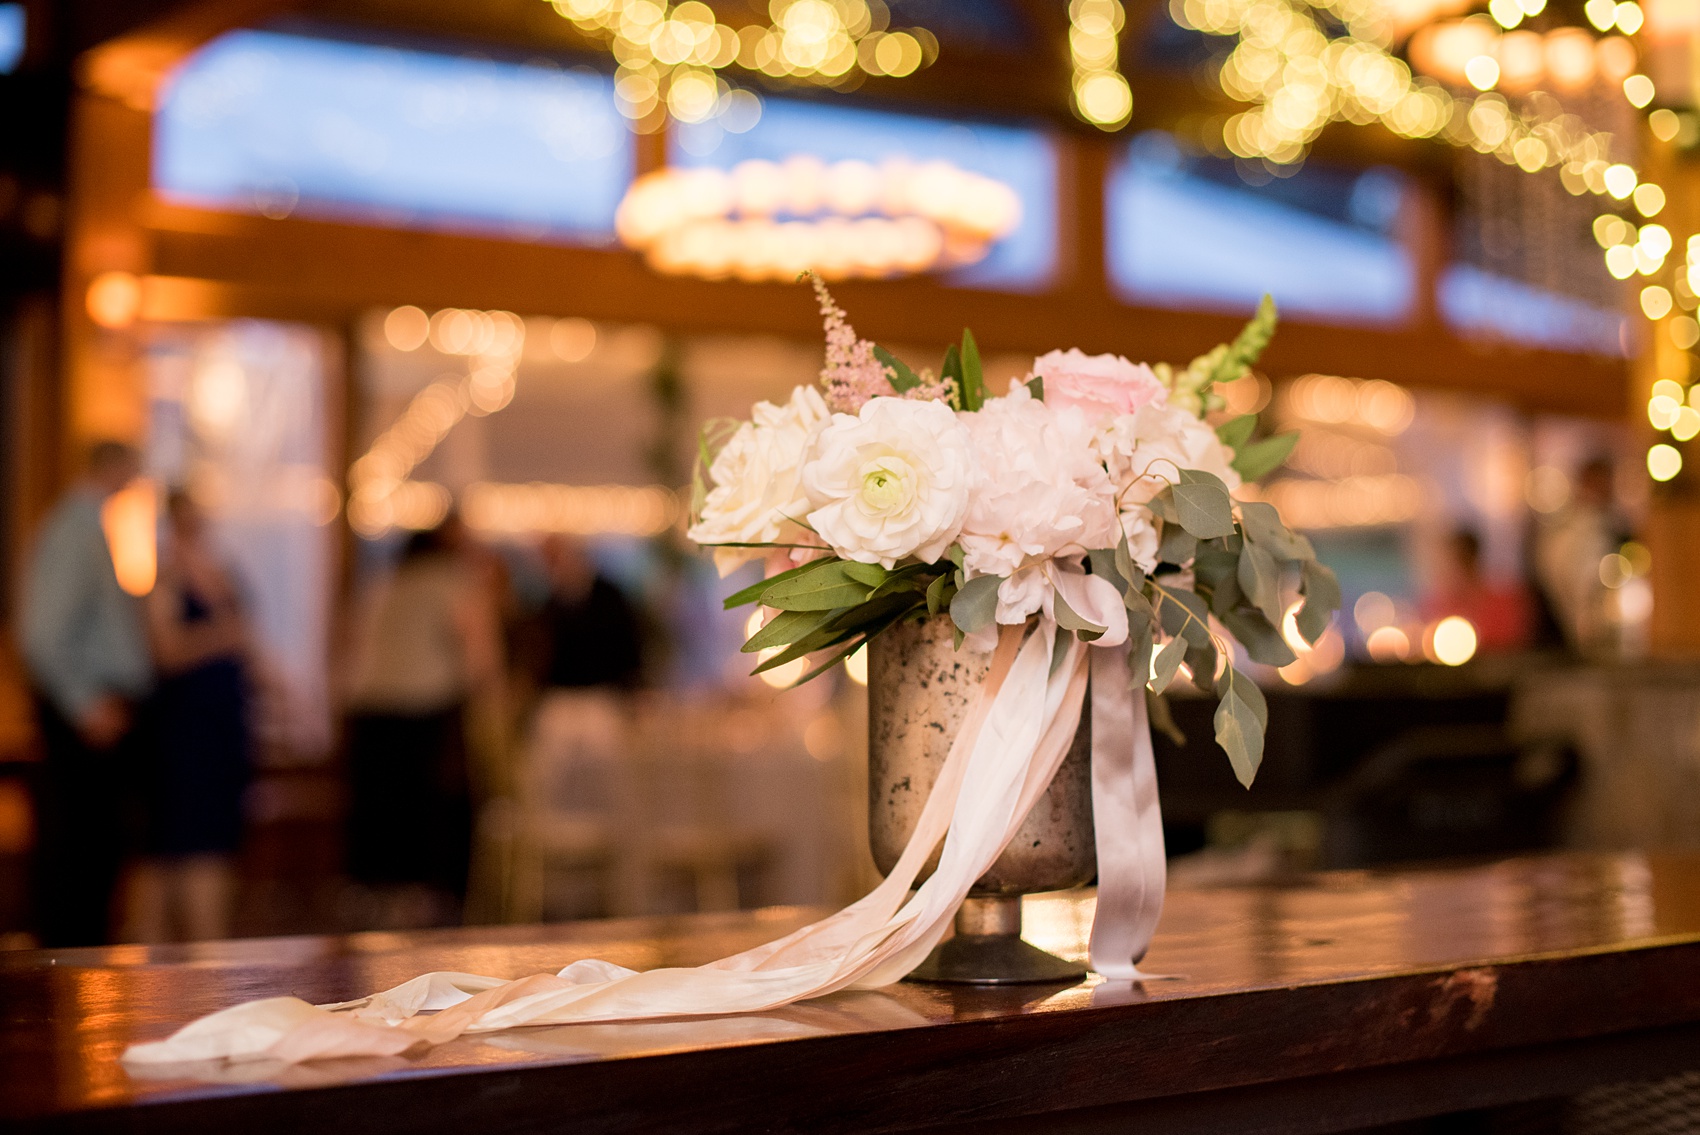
x=1039, y=494
x=890, y=482
x=757, y=495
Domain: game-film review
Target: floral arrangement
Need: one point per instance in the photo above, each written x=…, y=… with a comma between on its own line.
x=887, y=494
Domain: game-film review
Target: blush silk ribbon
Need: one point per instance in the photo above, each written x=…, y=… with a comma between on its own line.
x=1014, y=738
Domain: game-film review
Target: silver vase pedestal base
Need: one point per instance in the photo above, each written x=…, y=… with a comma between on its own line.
x=988, y=950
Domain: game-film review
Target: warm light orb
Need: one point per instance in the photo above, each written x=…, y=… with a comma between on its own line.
x=1620, y=181
x=1388, y=644
x=1663, y=462
x=1638, y=89
x=1482, y=72
x=406, y=328
x=128, y=517
x=114, y=299
x=1454, y=641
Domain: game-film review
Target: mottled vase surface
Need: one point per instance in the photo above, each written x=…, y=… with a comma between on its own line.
x=919, y=690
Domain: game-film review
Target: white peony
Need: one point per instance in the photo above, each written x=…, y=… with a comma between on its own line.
x=1146, y=450
x=890, y=482
x=757, y=496
x=1039, y=494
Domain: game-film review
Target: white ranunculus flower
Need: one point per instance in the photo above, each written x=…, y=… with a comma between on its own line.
x=757, y=496
x=1039, y=494
x=890, y=482
x=1147, y=449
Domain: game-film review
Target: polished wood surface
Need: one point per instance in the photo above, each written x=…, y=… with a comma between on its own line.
x=1507, y=981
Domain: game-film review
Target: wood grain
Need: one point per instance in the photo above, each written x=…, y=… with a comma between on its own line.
x=1308, y=1007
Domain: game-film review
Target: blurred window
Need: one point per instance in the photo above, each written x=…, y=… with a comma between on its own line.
x=1023, y=159
x=261, y=121
x=1185, y=232
x=13, y=37
x=1476, y=302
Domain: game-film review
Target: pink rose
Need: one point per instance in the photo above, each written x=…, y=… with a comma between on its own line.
x=1100, y=385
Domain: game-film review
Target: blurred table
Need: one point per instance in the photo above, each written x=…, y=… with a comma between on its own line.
x=1347, y=1000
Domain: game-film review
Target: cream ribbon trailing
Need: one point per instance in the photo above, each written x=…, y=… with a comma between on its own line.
x=1011, y=744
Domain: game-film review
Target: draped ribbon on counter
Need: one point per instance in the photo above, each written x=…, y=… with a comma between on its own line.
x=1014, y=738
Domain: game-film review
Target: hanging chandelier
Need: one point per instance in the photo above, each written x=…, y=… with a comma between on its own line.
x=765, y=220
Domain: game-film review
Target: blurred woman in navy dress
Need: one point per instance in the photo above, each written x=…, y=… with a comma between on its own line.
x=197, y=772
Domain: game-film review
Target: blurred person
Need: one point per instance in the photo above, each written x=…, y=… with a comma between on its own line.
x=85, y=648
x=1498, y=610
x=427, y=642
x=199, y=740
x=591, y=635
x=1568, y=551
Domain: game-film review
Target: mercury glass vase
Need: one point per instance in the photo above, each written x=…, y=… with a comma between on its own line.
x=920, y=688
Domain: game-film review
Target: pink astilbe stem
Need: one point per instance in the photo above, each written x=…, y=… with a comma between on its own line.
x=852, y=374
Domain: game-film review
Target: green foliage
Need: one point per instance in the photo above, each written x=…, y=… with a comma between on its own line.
x=1202, y=505
x=897, y=371
x=1261, y=458
x=1237, y=432
x=1241, y=718
x=973, y=380
x=976, y=603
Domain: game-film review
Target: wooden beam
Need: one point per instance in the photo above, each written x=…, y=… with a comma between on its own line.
x=314, y=269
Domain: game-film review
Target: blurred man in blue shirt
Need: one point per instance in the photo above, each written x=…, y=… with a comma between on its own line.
x=85, y=645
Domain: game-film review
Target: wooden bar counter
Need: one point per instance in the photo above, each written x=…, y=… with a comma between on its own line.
x=1340, y=1001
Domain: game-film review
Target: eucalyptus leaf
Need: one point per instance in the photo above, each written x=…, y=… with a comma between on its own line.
x=976, y=603
x=1167, y=664
x=1254, y=632
x=1178, y=546
x=1103, y=561
x=1069, y=619
x=1140, y=641
x=753, y=592
x=1237, y=432
x=1260, y=578
x=1059, y=649
x=1261, y=458
x=1202, y=505
x=897, y=371
x=1126, y=568
x=1240, y=723
x=1215, y=569
x=1321, y=589
x=1263, y=526
x=1163, y=507
x=1182, y=612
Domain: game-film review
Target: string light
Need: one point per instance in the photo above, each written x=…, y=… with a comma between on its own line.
x=670, y=55
x=769, y=221
x=1101, y=95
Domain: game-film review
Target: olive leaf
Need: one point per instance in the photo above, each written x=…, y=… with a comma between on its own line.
x=897, y=371
x=1237, y=432
x=1261, y=458
x=976, y=603
x=825, y=586
x=871, y=574
x=754, y=591
x=935, y=594
x=789, y=626
x=1241, y=719
x=973, y=380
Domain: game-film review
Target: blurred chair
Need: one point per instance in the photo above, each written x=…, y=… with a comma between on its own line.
x=687, y=778
x=568, y=802
x=1445, y=791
